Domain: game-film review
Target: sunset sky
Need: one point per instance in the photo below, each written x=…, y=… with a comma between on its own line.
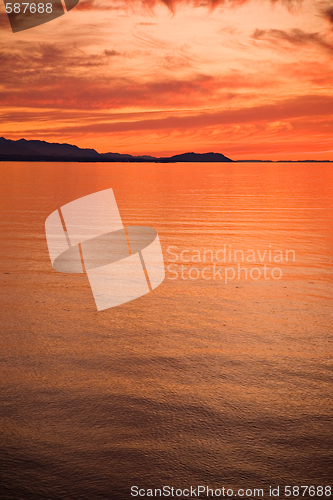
x=246, y=78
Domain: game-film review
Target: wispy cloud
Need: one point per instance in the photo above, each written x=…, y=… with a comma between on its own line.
x=96, y=5
x=288, y=109
x=293, y=37
x=172, y=4
x=328, y=13
x=280, y=115
x=91, y=91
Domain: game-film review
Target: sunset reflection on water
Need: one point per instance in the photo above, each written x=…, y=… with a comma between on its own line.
x=199, y=381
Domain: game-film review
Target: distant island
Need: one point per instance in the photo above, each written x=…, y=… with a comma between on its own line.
x=34, y=150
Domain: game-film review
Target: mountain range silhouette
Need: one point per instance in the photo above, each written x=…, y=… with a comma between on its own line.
x=34, y=150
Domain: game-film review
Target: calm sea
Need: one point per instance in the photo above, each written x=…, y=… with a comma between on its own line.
x=218, y=380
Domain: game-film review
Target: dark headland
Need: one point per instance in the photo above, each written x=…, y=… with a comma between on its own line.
x=24, y=150
x=34, y=150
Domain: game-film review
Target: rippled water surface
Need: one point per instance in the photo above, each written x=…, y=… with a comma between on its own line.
x=200, y=382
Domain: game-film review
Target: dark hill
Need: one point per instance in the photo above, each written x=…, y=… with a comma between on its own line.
x=196, y=157
x=48, y=149
x=8, y=147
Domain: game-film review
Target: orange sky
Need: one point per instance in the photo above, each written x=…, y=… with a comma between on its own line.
x=247, y=78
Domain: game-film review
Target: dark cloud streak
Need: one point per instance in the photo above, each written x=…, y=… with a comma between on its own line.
x=116, y=93
x=328, y=14
x=294, y=37
x=288, y=109
x=172, y=4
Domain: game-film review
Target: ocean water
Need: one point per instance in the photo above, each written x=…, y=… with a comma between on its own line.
x=220, y=380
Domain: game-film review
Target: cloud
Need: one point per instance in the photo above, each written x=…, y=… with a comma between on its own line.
x=294, y=37
x=92, y=91
x=4, y=21
x=294, y=110
x=96, y=5
x=310, y=73
x=111, y=53
x=172, y=4
x=328, y=14
x=42, y=63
